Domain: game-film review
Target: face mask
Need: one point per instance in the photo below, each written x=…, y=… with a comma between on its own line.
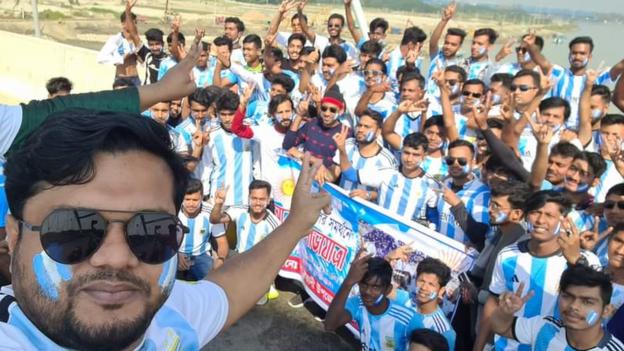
x=455, y=89
x=370, y=136
x=583, y=64
x=500, y=218
x=596, y=114
x=496, y=99
x=527, y=57
x=591, y=318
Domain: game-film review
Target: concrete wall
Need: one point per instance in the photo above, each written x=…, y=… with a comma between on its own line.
x=28, y=62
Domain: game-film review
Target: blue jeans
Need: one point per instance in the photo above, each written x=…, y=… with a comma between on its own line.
x=200, y=266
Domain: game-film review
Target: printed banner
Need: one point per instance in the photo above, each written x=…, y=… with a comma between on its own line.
x=322, y=259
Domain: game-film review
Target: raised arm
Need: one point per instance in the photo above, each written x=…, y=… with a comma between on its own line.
x=585, y=118
x=176, y=50
x=261, y=264
x=217, y=215
x=357, y=36
x=618, y=94
x=337, y=313
x=508, y=304
x=284, y=7
x=309, y=32
x=447, y=14
x=447, y=110
x=528, y=43
x=129, y=24
x=543, y=134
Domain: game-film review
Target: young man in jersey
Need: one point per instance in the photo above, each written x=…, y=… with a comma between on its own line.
x=377, y=96
x=460, y=124
x=254, y=222
x=383, y=323
x=234, y=160
x=362, y=153
x=335, y=25
x=466, y=198
x=608, y=142
x=195, y=256
x=181, y=142
x=152, y=54
x=175, y=42
x=58, y=86
x=412, y=41
x=478, y=65
x=584, y=296
x=126, y=183
x=377, y=28
x=612, y=214
x=454, y=77
x=569, y=82
x=427, y=340
x=447, y=56
x=200, y=103
x=536, y=263
x=615, y=267
x=432, y=275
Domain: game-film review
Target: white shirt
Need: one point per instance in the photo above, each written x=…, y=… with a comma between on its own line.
x=114, y=50
x=197, y=241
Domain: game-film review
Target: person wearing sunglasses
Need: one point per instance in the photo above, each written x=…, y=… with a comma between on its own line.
x=612, y=214
x=500, y=92
x=523, y=56
x=98, y=242
x=464, y=211
x=454, y=77
x=378, y=95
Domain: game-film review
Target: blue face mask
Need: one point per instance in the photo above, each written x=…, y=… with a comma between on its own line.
x=496, y=99
x=596, y=114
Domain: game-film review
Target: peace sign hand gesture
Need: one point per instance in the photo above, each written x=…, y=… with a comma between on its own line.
x=591, y=238
x=512, y=302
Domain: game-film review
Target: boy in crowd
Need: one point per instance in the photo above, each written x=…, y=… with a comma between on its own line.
x=58, y=86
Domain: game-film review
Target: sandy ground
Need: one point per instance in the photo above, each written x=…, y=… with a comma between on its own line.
x=276, y=327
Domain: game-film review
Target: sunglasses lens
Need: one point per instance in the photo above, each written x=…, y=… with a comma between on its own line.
x=462, y=161
x=70, y=236
x=154, y=237
x=449, y=160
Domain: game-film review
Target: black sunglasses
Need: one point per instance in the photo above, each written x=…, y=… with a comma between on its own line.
x=451, y=160
x=71, y=235
x=611, y=204
x=523, y=87
x=474, y=95
x=331, y=109
x=521, y=50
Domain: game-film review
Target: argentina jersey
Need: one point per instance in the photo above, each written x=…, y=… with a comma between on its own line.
x=383, y=160
x=165, y=66
x=395, y=61
x=438, y=63
x=476, y=198
x=435, y=167
x=203, y=76
x=549, y=333
x=477, y=69
x=465, y=132
x=435, y=321
x=388, y=331
x=249, y=233
x=406, y=197
x=193, y=315
x=515, y=265
x=197, y=241
x=4, y=204
x=385, y=106
x=602, y=248
x=608, y=179
x=582, y=220
x=570, y=87
x=234, y=161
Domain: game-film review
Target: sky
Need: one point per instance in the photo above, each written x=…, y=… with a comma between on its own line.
x=596, y=5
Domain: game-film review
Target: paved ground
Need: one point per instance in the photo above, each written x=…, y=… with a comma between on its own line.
x=277, y=327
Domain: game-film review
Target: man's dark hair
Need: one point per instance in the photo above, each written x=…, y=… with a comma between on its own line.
x=617, y=189
x=203, y=97
x=336, y=16
x=434, y=266
x=494, y=165
x=582, y=275
x=539, y=199
x=413, y=35
x=597, y=165
x=556, y=102
x=253, y=39
x=504, y=78
x=582, y=40
x=378, y=23
x=122, y=17
x=223, y=41
x=436, y=120
x=376, y=116
x=278, y=100
x=405, y=69
x=517, y=192
x=379, y=268
x=229, y=101
x=530, y=73
x=603, y=91
x=194, y=186
x=122, y=82
x=371, y=47
x=377, y=61
x=61, y=152
x=56, y=84
x=430, y=339
x=260, y=184
x=459, y=70
x=283, y=80
x=239, y=24
x=413, y=76
x=476, y=81
x=539, y=41
x=460, y=143
x=416, y=140
x=275, y=53
x=155, y=34
x=336, y=51
x=297, y=36
x=181, y=38
x=458, y=32
x=491, y=34
x=564, y=149
x=300, y=16
x=611, y=119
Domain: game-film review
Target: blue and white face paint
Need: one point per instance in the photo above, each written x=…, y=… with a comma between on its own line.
x=167, y=277
x=370, y=137
x=279, y=118
x=49, y=274
x=496, y=99
x=596, y=114
x=379, y=299
x=482, y=50
x=531, y=228
x=500, y=218
x=584, y=63
x=591, y=318
x=432, y=295
x=526, y=57
x=466, y=169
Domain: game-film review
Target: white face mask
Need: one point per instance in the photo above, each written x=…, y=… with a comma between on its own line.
x=527, y=57
x=482, y=50
x=496, y=99
x=596, y=114
x=455, y=89
x=279, y=118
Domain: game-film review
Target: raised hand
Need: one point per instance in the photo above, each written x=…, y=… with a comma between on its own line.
x=449, y=11
x=130, y=4
x=529, y=39
x=546, y=83
x=269, y=40
x=402, y=253
x=592, y=75
x=506, y=50
x=440, y=80
x=591, y=238
x=198, y=136
x=358, y=268
x=345, y=67
x=301, y=5
x=512, y=302
x=341, y=138
x=221, y=194
x=569, y=240
x=176, y=23
x=287, y=5
x=407, y=106
x=249, y=89
x=542, y=132
x=306, y=205
x=382, y=87
x=480, y=115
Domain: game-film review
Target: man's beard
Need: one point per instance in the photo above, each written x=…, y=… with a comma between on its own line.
x=59, y=322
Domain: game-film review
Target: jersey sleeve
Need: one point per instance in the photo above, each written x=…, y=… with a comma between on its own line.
x=203, y=304
x=35, y=112
x=10, y=122
x=525, y=329
x=497, y=284
x=353, y=307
